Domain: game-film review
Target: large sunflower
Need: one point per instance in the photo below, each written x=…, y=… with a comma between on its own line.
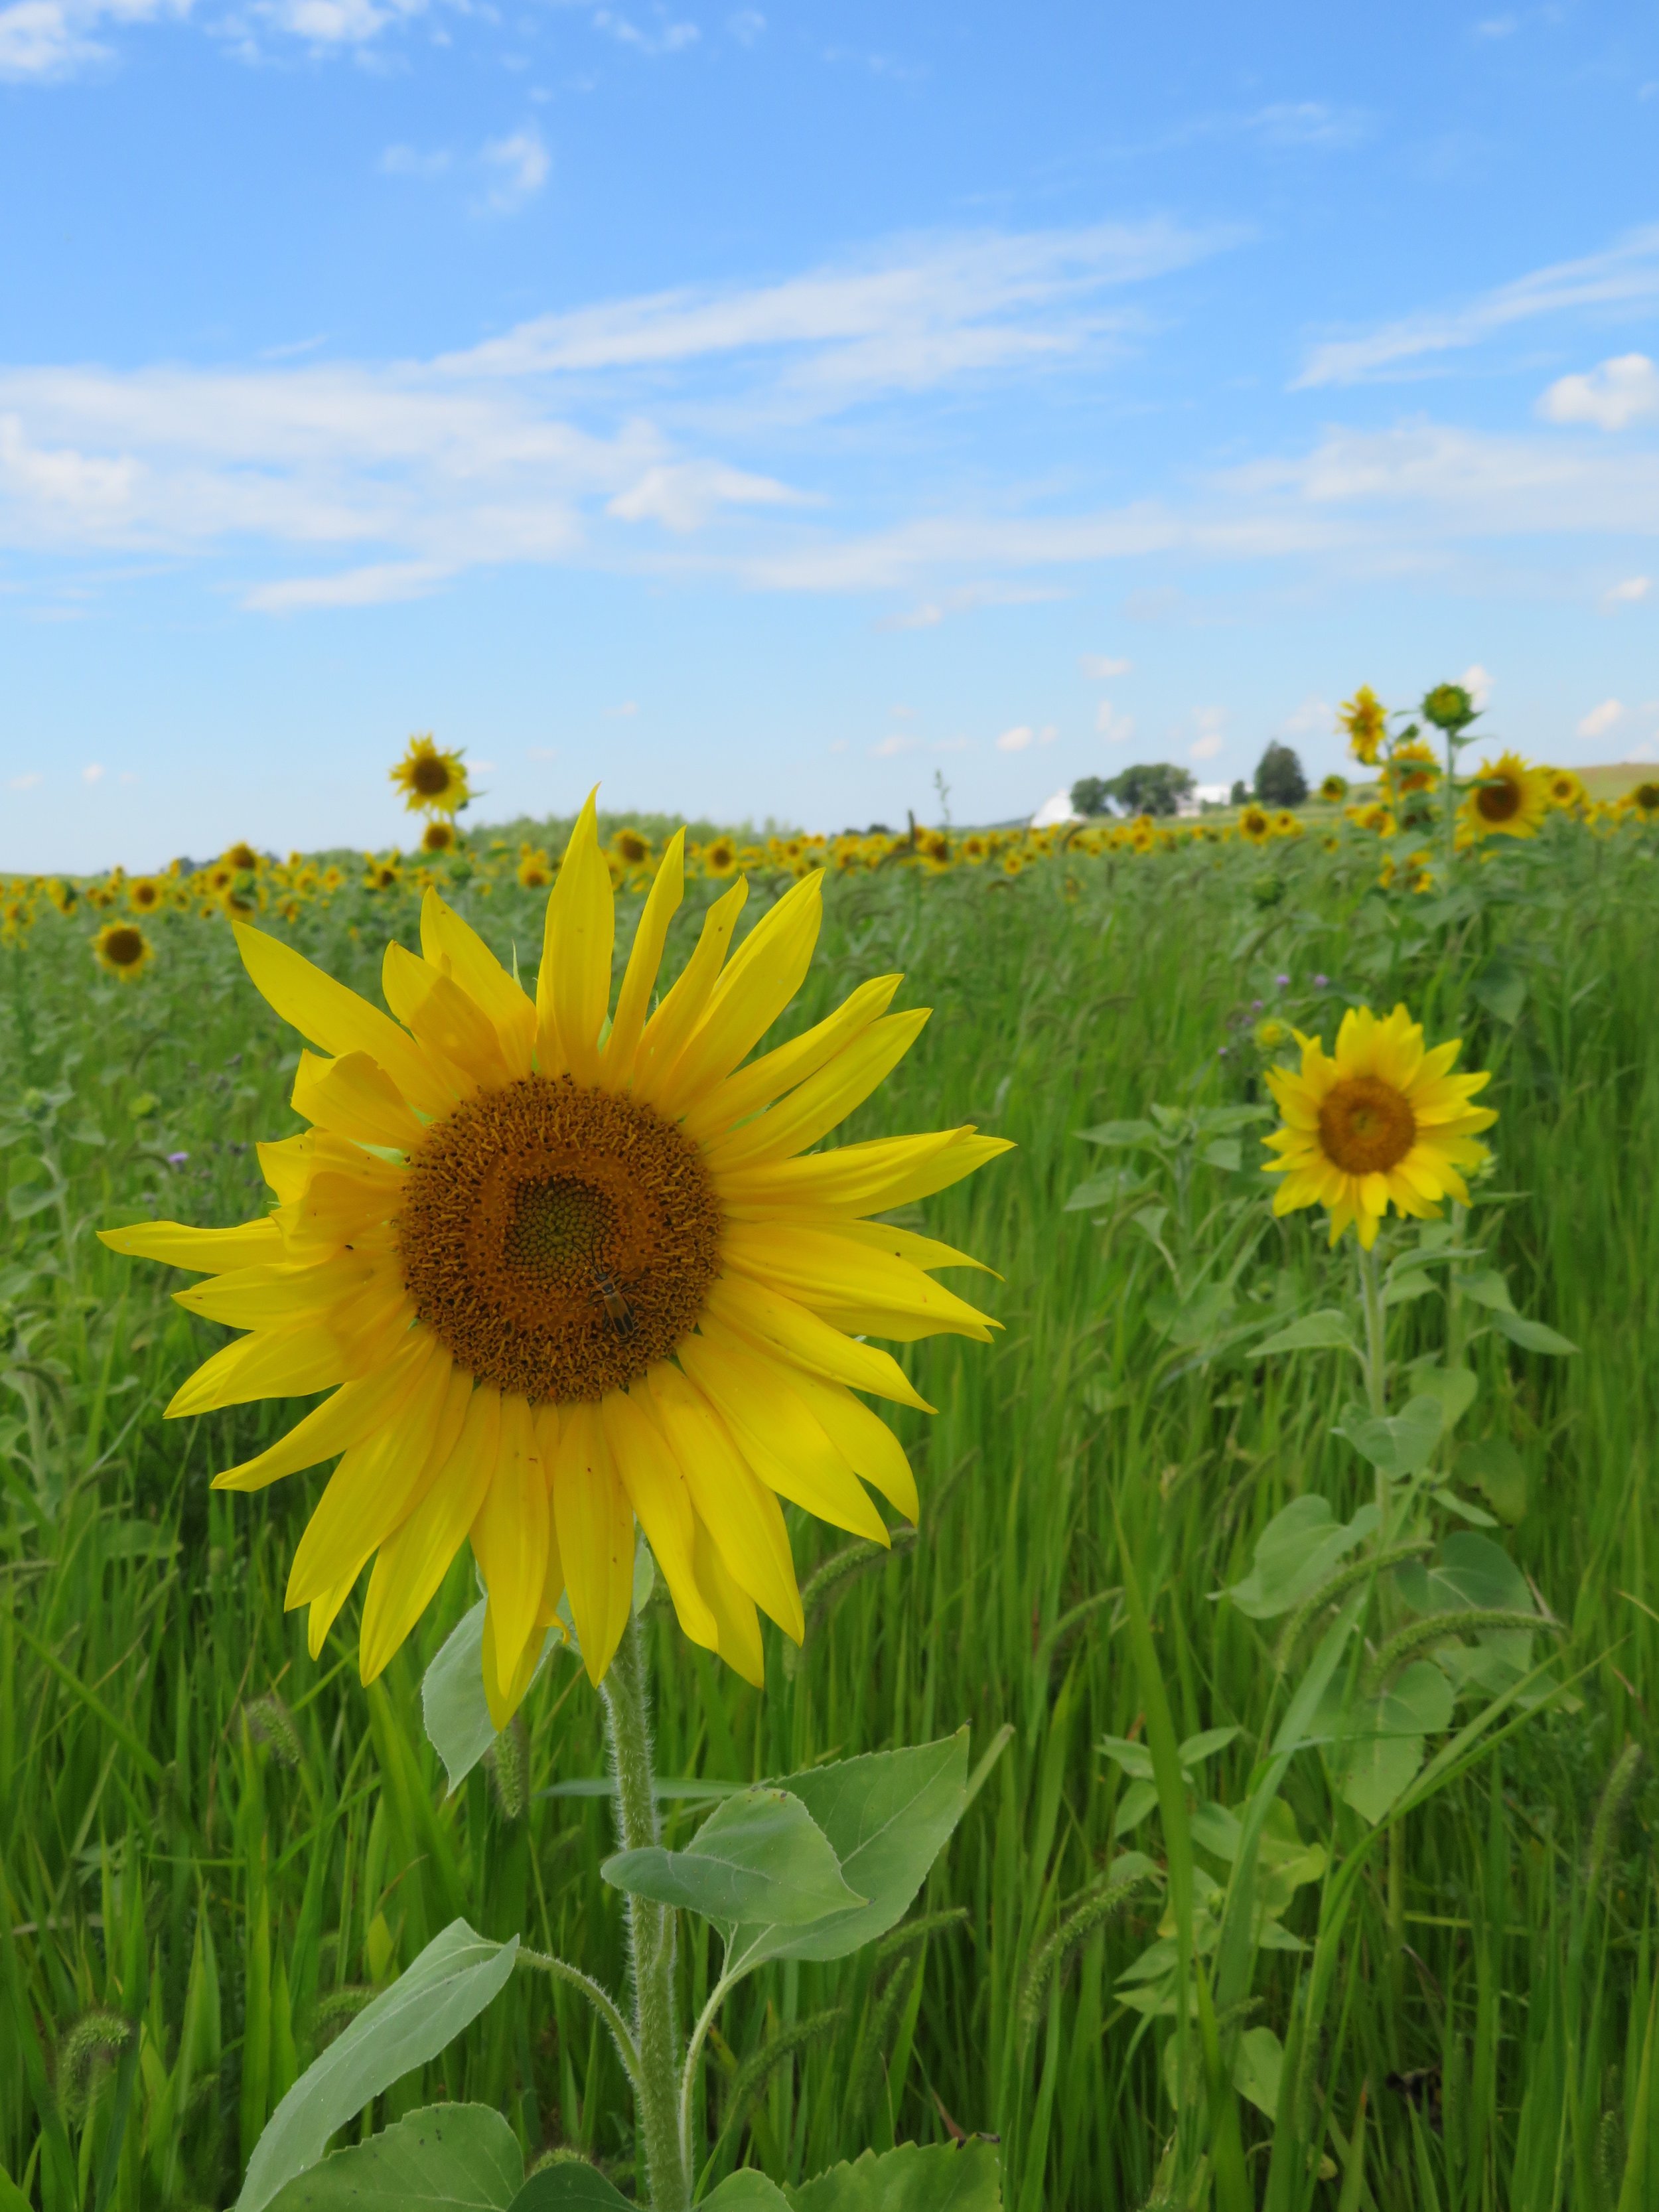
x=1510, y=799
x=1382, y=1121
x=564, y=1266
x=431, y=780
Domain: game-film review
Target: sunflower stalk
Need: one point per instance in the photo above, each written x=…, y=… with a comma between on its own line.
x=650, y=1931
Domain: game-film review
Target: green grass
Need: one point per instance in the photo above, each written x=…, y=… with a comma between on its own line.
x=203, y=1832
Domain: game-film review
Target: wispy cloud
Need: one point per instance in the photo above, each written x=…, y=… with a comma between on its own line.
x=1623, y=275
x=409, y=161
x=1600, y=719
x=664, y=36
x=379, y=585
x=47, y=38
x=519, y=166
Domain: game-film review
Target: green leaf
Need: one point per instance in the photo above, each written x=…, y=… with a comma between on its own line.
x=461, y=2158
x=1398, y=1444
x=1327, y=1330
x=887, y=1816
x=12, y=2198
x=1534, y=1335
x=1469, y=1573
x=1494, y=1467
x=915, y=2178
x=1295, y=1553
x=453, y=1701
x=1104, y=1190
x=1224, y=1152
x=1257, y=2066
x=1121, y=1134
x=1136, y=1802
x=1501, y=988
x=426, y=2007
x=1381, y=1749
x=747, y=2191
x=759, y=1856
x=1453, y=1390
x=1205, y=1745
x=1487, y=1289
x=1133, y=1757
x=570, y=2184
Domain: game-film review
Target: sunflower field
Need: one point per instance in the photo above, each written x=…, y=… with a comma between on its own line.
x=1192, y=1397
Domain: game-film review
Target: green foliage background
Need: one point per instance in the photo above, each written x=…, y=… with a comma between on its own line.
x=202, y=1831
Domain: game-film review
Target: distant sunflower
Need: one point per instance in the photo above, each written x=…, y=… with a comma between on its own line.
x=1285, y=823
x=242, y=857
x=439, y=836
x=720, y=858
x=145, y=895
x=535, y=871
x=1565, y=790
x=1255, y=825
x=1365, y=719
x=1643, y=802
x=632, y=847
x=1333, y=790
x=1510, y=799
x=1382, y=1122
x=123, y=950
x=564, y=1266
x=432, y=781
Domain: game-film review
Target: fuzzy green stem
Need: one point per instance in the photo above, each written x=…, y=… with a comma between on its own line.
x=650, y=1931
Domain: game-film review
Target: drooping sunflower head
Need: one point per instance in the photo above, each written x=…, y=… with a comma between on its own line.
x=566, y=1265
x=1380, y=1122
x=122, y=948
x=1364, y=721
x=1449, y=707
x=1255, y=825
x=432, y=781
x=1510, y=800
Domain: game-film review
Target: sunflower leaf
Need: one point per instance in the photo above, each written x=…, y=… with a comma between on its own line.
x=453, y=1701
x=915, y=2178
x=1398, y=1444
x=1295, y=1553
x=1532, y=1335
x=451, y=2158
x=570, y=2184
x=1327, y=1330
x=759, y=1856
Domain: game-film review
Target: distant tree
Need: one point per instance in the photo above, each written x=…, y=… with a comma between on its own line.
x=1150, y=788
x=1241, y=793
x=1279, y=778
x=1092, y=794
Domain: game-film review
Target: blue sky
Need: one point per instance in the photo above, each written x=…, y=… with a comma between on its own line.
x=773, y=410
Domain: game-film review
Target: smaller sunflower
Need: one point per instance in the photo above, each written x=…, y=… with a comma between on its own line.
x=535, y=871
x=1333, y=790
x=1380, y=1123
x=1365, y=719
x=1510, y=799
x=1565, y=790
x=1643, y=803
x=720, y=858
x=1255, y=825
x=440, y=836
x=632, y=847
x=1286, y=825
x=144, y=895
x=432, y=781
x=122, y=948
x=241, y=857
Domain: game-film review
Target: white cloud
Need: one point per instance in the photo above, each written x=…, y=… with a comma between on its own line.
x=25, y=783
x=1101, y=667
x=1627, y=594
x=409, y=161
x=1212, y=733
x=837, y=745
x=381, y=584
x=521, y=165
x=667, y=39
x=746, y=26
x=682, y=495
x=1314, y=716
x=47, y=38
x=889, y=747
x=1118, y=728
x=1623, y=275
x=628, y=707
x=94, y=773
x=1306, y=123
x=1477, y=682
x=1647, y=750
x=966, y=597
x=1016, y=740
x=1600, y=719
x=1206, y=748
x=1613, y=395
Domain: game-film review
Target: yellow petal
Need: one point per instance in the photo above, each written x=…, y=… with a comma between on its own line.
x=905, y=1244
x=280, y=1363
x=354, y=1411
x=377, y=1483
x=740, y=1513
x=573, y=988
x=815, y=1107
x=773, y=1429
x=260, y=1298
x=203, y=1251
x=415, y=1559
x=682, y=1005
x=737, y=1630
x=783, y=1326
x=324, y=1609
x=509, y=1537
x=504, y=1687
x=866, y=1442
x=865, y=1178
x=787, y=1065
x=353, y=1097
x=455, y=1033
x=762, y=977
x=644, y=961
x=336, y=1018
x=596, y=1537
x=822, y=1269
x=657, y=1490
x=455, y=948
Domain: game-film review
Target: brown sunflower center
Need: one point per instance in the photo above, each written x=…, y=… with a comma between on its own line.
x=558, y=1240
x=1647, y=798
x=1499, y=801
x=1365, y=1126
x=429, y=776
x=124, y=947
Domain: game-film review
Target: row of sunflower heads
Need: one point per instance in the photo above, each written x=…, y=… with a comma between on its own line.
x=1382, y=1121
x=546, y=1492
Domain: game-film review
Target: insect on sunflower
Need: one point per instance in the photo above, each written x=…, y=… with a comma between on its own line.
x=1380, y=1123
x=563, y=1267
